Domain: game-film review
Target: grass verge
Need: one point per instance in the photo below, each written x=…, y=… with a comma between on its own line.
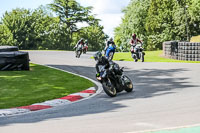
x=20, y=88
x=151, y=56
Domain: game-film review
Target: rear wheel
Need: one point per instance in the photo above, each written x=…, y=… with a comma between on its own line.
x=109, y=89
x=84, y=51
x=127, y=84
x=142, y=56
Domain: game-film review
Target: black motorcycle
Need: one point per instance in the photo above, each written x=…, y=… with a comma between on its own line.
x=137, y=52
x=114, y=83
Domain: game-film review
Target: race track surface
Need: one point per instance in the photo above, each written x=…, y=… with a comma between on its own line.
x=166, y=95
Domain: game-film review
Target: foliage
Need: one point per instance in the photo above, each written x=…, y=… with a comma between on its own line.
x=70, y=13
x=40, y=29
x=156, y=21
x=133, y=22
x=95, y=36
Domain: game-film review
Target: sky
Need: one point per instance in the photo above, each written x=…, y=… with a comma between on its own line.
x=109, y=11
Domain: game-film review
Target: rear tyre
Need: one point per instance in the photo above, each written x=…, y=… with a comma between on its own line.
x=127, y=84
x=84, y=51
x=142, y=56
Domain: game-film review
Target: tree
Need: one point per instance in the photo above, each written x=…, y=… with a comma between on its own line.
x=95, y=36
x=133, y=21
x=156, y=21
x=70, y=13
x=6, y=37
x=40, y=29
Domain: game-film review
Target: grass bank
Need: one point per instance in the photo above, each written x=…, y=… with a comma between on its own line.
x=20, y=88
x=151, y=56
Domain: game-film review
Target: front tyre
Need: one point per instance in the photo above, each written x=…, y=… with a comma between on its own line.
x=109, y=89
x=134, y=57
x=111, y=55
x=128, y=85
x=78, y=54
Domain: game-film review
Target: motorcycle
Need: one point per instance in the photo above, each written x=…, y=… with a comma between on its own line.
x=85, y=48
x=79, y=51
x=137, y=52
x=110, y=52
x=114, y=83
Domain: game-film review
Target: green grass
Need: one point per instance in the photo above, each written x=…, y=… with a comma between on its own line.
x=151, y=56
x=20, y=88
x=195, y=129
x=195, y=39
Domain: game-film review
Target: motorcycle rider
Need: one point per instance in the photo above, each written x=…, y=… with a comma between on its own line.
x=134, y=41
x=110, y=41
x=80, y=42
x=109, y=65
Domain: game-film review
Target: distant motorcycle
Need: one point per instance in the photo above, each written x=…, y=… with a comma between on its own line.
x=137, y=52
x=85, y=48
x=110, y=52
x=113, y=83
x=79, y=51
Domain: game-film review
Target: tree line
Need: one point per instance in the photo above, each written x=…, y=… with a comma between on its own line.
x=156, y=21
x=53, y=26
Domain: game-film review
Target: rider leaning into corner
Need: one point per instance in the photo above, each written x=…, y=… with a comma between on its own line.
x=80, y=42
x=134, y=41
x=109, y=65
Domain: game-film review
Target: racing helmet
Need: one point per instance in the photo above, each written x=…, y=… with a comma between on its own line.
x=98, y=56
x=134, y=35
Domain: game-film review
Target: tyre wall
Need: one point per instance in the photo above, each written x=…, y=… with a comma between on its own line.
x=182, y=50
x=12, y=59
x=8, y=48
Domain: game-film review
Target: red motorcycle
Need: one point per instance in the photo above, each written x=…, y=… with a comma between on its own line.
x=85, y=49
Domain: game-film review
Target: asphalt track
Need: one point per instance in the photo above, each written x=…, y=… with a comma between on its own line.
x=167, y=95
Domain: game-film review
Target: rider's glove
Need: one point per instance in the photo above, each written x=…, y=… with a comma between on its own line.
x=98, y=74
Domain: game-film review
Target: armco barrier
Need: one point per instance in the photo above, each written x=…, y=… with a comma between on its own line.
x=182, y=50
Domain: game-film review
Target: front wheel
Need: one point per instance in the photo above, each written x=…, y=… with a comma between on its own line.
x=127, y=83
x=134, y=57
x=111, y=55
x=109, y=89
x=78, y=54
